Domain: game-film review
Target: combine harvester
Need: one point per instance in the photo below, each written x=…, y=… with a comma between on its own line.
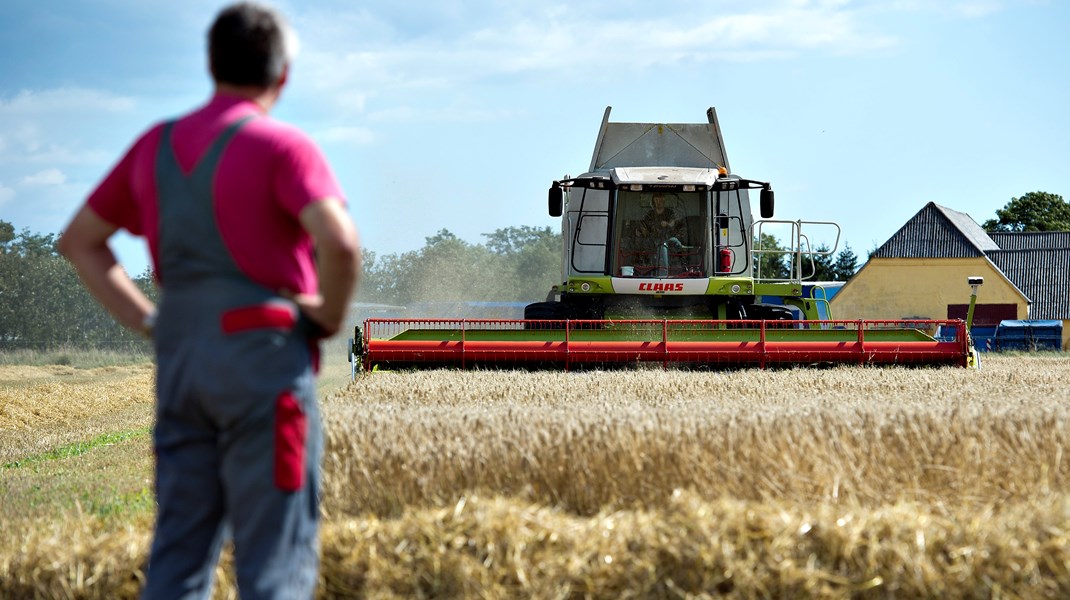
x=660, y=266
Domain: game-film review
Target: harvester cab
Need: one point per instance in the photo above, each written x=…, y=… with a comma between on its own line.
x=663, y=262
x=659, y=228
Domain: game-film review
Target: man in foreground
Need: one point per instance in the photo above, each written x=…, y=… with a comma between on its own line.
x=257, y=259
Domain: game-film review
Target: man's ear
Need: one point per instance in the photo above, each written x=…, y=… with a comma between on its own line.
x=285, y=76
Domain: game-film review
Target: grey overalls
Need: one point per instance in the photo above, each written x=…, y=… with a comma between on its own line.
x=238, y=437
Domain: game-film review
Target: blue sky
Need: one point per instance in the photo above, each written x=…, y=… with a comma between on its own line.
x=458, y=116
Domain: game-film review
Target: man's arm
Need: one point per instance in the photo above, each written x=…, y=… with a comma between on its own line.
x=85, y=244
x=338, y=260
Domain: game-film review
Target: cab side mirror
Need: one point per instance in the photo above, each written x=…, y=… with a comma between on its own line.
x=767, y=202
x=556, y=197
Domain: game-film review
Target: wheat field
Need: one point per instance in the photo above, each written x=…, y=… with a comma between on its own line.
x=842, y=482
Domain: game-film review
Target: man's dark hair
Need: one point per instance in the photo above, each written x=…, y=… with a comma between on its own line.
x=247, y=45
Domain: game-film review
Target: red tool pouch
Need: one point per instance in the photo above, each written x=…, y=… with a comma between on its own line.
x=291, y=429
x=260, y=316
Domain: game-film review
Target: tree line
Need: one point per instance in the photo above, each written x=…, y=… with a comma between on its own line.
x=515, y=264
x=819, y=264
x=1035, y=211
x=43, y=304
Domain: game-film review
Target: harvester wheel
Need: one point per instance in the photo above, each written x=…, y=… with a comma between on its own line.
x=769, y=312
x=540, y=311
x=356, y=344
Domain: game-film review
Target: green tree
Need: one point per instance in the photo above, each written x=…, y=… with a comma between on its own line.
x=7, y=234
x=838, y=267
x=517, y=264
x=846, y=264
x=824, y=267
x=510, y=241
x=384, y=278
x=531, y=259
x=1035, y=211
x=43, y=303
x=371, y=279
x=451, y=269
x=446, y=269
x=772, y=260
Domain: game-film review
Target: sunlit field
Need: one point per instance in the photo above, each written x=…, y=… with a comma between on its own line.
x=843, y=482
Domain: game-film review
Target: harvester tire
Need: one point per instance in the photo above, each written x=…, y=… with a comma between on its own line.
x=544, y=310
x=540, y=311
x=769, y=312
x=356, y=344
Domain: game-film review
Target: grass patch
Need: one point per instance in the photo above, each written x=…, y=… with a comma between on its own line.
x=121, y=505
x=78, y=357
x=79, y=448
x=108, y=477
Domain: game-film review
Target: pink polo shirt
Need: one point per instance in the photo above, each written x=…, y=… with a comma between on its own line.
x=267, y=174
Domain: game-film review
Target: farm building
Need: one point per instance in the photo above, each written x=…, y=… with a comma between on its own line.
x=921, y=271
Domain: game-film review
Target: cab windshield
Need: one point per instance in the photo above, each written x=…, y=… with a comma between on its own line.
x=660, y=234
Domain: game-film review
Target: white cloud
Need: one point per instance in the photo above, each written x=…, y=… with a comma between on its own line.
x=48, y=177
x=468, y=114
x=357, y=136
x=53, y=144
x=6, y=194
x=83, y=100
x=978, y=8
x=41, y=207
x=969, y=9
x=59, y=126
x=354, y=53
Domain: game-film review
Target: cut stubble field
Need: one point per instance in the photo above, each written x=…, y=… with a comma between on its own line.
x=843, y=482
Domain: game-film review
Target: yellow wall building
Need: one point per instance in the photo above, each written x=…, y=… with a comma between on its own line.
x=913, y=288
x=921, y=272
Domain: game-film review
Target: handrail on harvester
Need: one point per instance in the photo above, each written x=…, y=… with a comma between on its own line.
x=564, y=344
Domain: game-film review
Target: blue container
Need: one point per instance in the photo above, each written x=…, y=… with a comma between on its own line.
x=1029, y=335
x=984, y=338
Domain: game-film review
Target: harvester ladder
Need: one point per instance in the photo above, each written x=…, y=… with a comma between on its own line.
x=823, y=301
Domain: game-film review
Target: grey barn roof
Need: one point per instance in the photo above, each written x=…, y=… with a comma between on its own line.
x=1031, y=240
x=1036, y=262
x=1042, y=275
x=937, y=232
